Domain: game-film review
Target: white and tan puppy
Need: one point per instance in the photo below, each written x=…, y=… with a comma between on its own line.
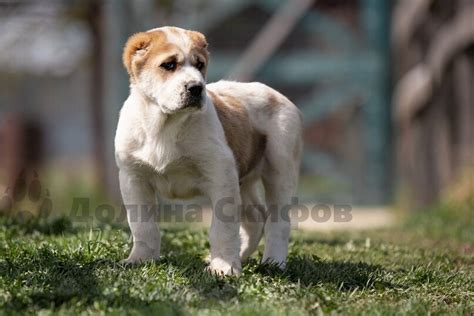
x=178, y=138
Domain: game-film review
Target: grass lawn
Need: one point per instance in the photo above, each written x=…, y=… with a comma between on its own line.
x=425, y=265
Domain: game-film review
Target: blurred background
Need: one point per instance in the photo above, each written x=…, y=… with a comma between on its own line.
x=386, y=89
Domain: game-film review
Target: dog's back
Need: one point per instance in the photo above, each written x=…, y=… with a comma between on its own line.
x=252, y=114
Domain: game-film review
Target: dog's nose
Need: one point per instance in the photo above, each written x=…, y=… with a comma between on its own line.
x=195, y=89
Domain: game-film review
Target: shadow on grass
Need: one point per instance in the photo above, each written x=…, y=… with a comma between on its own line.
x=54, y=278
x=50, y=279
x=191, y=265
x=58, y=226
x=304, y=270
x=307, y=271
x=62, y=225
x=345, y=275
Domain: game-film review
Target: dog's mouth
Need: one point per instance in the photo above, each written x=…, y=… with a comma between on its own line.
x=192, y=102
x=191, y=107
x=187, y=103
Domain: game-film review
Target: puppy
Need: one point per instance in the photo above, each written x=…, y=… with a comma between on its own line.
x=178, y=137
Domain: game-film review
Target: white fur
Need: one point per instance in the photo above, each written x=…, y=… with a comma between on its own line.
x=164, y=151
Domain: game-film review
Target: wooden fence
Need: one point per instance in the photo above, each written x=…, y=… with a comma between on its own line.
x=433, y=48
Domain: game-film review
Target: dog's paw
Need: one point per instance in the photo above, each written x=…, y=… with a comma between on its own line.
x=280, y=264
x=137, y=260
x=129, y=262
x=143, y=252
x=219, y=266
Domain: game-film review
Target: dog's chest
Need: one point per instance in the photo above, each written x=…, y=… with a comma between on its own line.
x=180, y=179
x=174, y=172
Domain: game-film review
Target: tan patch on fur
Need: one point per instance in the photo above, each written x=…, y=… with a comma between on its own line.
x=247, y=144
x=176, y=31
x=199, y=45
x=198, y=39
x=273, y=104
x=141, y=46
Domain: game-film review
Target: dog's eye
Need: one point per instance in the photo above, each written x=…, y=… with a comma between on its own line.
x=169, y=66
x=200, y=65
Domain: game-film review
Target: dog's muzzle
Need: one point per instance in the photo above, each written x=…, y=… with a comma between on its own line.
x=194, y=95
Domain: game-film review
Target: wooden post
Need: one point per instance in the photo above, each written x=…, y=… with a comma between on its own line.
x=434, y=100
x=97, y=87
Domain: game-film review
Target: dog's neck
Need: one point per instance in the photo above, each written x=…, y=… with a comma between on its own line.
x=155, y=121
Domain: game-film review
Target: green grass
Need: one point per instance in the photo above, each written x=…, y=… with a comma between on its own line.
x=424, y=266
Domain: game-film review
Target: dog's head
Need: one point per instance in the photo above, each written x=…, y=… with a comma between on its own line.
x=168, y=65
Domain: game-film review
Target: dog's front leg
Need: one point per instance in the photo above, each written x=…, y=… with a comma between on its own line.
x=140, y=202
x=224, y=233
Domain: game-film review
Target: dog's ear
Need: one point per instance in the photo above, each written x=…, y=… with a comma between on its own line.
x=137, y=46
x=198, y=39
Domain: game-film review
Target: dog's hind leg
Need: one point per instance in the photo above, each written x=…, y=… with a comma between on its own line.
x=252, y=219
x=280, y=178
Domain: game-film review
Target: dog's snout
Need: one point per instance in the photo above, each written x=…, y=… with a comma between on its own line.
x=195, y=89
x=193, y=97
